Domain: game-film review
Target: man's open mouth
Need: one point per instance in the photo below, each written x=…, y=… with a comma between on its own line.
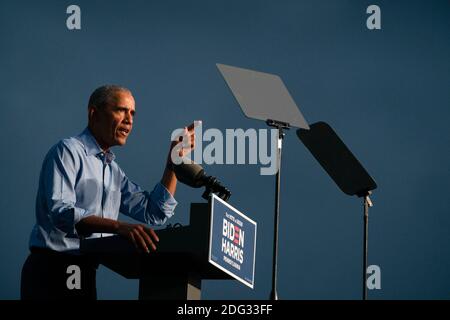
x=123, y=131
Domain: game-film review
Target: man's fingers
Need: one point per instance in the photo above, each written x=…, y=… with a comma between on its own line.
x=140, y=240
x=187, y=138
x=147, y=239
x=191, y=140
x=191, y=126
x=187, y=132
x=152, y=233
x=134, y=240
x=194, y=124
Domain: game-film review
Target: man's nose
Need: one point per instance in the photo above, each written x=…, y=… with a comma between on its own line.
x=128, y=118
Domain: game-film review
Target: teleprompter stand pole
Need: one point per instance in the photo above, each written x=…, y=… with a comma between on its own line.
x=367, y=203
x=279, y=126
x=346, y=171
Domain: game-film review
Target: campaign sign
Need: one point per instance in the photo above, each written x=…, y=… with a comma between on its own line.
x=232, y=242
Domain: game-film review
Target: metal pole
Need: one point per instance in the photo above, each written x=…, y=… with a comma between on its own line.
x=273, y=293
x=367, y=204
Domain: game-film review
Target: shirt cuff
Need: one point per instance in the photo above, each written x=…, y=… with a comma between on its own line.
x=78, y=214
x=66, y=219
x=164, y=199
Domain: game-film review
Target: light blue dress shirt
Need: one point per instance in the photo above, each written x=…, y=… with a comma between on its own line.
x=78, y=180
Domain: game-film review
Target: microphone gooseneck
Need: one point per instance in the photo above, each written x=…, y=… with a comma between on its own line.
x=193, y=175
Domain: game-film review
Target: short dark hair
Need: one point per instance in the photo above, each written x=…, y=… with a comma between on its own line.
x=102, y=95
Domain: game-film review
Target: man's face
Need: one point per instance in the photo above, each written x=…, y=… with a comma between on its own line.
x=113, y=123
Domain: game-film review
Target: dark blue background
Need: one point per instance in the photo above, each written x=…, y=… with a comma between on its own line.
x=385, y=92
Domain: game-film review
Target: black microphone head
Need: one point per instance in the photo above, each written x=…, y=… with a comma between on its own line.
x=189, y=173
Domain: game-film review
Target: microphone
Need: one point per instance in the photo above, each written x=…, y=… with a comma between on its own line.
x=193, y=175
x=190, y=174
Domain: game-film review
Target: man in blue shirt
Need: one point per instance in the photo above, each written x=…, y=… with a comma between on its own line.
x=81, y=192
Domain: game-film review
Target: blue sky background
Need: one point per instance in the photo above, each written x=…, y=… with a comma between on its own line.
x=386, y=93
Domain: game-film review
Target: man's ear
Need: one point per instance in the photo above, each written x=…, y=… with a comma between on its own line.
x=92, y=113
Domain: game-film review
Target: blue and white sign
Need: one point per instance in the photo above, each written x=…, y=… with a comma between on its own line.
x=232, y=242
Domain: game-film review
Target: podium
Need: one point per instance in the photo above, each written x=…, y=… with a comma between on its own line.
x=175, y=270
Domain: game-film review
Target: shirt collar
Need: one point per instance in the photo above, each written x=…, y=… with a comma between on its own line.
x=92, y=147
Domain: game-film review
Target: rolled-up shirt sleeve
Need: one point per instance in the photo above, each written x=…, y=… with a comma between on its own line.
x=60, y=170
x=149, y=207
